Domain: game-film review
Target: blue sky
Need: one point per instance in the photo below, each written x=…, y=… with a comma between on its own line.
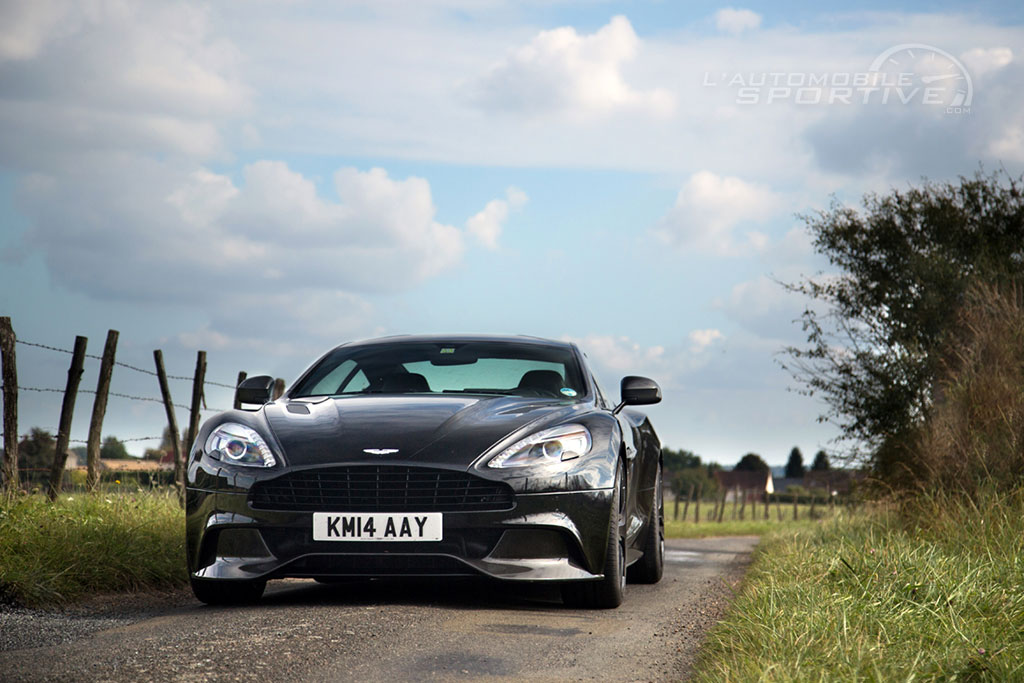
x=264, y=180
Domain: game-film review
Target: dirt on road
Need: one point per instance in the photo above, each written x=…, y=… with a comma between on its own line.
x=385, y=630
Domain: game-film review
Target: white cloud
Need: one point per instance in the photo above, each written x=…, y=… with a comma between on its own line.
x=620, y=354
x=487, y=225
x=25, y=27
x=560, y=71
x=736, y=21
x=702, y=339
x=271, y=248
x=981, y=60
x=126, y=77
x=709, y=207
x=764, y=307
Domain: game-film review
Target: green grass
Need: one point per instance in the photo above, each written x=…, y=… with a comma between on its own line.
x=877, y=597
x=51, y=553
x=751, y=525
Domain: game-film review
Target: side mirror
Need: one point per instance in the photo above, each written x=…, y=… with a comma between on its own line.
x=255, y=390
x=638, y=391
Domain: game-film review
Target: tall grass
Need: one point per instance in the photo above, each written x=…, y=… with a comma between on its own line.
x=974, y=434
x=929, y=590
x=89, y=543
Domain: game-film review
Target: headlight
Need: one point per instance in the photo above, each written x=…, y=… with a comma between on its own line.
x=240, y=445
x=550, y=446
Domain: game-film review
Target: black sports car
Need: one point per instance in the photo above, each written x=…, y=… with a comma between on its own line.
x=430, y=456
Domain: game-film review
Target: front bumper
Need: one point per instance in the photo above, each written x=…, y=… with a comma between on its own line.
x=546, y=537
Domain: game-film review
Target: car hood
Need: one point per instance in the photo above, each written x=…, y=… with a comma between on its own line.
x=438, y=430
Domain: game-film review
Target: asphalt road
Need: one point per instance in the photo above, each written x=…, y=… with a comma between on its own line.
x=392, y=630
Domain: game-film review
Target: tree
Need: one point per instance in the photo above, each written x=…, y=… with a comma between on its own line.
x=795, y=466
x=113, y=448
x=821, y=463
x=679, y=460
x=35, y=455
x=874, y=328
x=752, y=462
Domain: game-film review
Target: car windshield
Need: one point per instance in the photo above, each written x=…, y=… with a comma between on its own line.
x=443, y=368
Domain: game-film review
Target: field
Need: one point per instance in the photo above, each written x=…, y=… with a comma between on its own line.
x=751, y=524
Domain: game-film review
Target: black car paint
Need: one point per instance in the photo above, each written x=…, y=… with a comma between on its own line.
x=458, y=432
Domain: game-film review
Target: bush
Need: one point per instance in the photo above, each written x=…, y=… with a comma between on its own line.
x=974, y=434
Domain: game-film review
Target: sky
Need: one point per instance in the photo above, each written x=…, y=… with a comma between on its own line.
x=264, y=180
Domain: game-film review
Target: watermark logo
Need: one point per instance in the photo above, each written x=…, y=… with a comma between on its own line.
x=907, y=74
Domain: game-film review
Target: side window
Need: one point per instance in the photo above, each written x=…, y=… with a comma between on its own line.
x=330, y=383
x=356, y=384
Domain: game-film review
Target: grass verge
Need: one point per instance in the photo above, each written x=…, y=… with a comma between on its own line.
x=936, y=593
x=51, y=553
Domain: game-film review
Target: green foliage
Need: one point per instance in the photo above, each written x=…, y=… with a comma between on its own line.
x=35, y=456
x=752, y=462
x=36, y=449
x=930, y=594
x=113, y=448
x=904, y=262
x=700, y=478
x=821, y=462
x=50, y=553
x=795, y=465
x=678, y=460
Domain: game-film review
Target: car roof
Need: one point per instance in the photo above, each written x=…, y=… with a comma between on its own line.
x=457, y=339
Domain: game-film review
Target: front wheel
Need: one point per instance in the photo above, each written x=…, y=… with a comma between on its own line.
x=607, y=592
x=650, y=567
x=222, y=592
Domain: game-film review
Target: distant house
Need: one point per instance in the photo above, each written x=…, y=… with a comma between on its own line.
x=747, y=483
x=127, y=465
x=833, y=481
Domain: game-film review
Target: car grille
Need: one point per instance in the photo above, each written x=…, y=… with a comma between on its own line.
x=381, y=488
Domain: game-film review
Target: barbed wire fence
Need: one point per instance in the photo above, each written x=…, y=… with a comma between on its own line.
x=10, y=387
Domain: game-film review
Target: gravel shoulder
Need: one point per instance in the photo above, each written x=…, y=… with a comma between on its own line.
x=385, y=630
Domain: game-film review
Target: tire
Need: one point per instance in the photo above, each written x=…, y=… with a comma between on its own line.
x=607, y=592
x=221, y=592
x=650, y=567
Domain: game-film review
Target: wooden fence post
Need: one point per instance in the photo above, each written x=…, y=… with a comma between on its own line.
x=172, y=424
x=743, y=504
x=241, y=378
x=721, y=508
x=67, y=411
x=814, y=499
x=767, y=505
x=795, y=498
x=99, y=410
x=735, y=503
x=696, y=504
x=197, y=399
x=686, y=506
x=9, y=466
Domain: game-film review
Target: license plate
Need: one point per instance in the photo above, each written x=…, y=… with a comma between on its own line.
x=377, y=526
